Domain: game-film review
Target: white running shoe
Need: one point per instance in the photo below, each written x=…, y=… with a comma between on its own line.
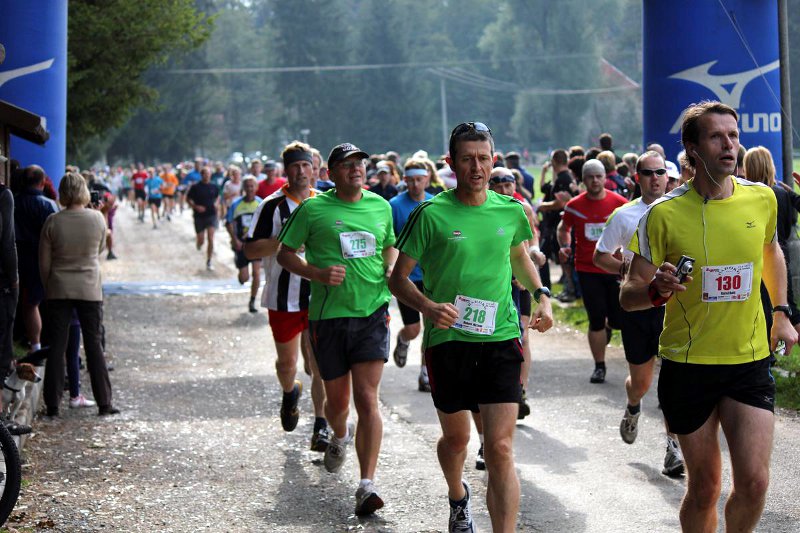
x=336, y=452
x=367, y=499
x=80, y=401
x=629, y=427
x=461, y=515
x=673, y=460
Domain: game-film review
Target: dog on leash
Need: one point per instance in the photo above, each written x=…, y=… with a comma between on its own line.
x=14, y=388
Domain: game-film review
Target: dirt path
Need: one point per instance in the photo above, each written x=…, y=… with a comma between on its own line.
x=199, y=446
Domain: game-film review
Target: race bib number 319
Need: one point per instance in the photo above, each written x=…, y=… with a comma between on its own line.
x=356, y=244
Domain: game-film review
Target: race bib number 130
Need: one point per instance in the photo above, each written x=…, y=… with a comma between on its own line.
x=357, y=244
x=727, y=283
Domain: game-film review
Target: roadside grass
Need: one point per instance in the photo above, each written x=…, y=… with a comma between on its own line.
x=787, y=371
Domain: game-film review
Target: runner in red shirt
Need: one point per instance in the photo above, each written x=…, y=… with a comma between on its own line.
x=138, y=180
x=272, y=182
x=587, y=214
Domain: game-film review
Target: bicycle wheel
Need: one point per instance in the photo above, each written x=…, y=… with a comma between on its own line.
x=10, y=474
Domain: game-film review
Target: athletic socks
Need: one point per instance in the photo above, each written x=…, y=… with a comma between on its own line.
x=320, y=423
x=600, y=365
x=633, y=409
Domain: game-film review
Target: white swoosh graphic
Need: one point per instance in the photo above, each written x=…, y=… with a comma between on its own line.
x=22, y=71
x=716, y=84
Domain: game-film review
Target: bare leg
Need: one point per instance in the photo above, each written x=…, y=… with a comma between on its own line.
x=286, y=363
x=317, y=386
x=502, y=494
x=452, y=450
x=704, y=471
x=369, y=432
x=597, y=345
x=255, y=266
x=749, y=431
x=210, y=248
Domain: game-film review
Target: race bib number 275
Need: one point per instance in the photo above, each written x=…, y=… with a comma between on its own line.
x=357, y=244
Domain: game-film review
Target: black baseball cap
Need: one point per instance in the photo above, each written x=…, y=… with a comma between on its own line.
x=342, y=151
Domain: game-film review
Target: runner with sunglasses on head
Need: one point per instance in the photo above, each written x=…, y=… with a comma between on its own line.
x=640, y=329
x=468, y=241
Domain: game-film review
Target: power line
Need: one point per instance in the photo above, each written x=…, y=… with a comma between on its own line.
x=374, y=66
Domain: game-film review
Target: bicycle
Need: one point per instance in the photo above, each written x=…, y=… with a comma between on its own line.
x=10, y=474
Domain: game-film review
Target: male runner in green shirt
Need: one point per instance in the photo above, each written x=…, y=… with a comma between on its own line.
x=348, y=237
x=468, y=241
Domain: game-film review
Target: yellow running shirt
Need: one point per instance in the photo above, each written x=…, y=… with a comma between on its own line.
x=719, y=319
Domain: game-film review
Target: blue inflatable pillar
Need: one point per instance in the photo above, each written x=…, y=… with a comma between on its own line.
x=34, y=75
x=699, y=50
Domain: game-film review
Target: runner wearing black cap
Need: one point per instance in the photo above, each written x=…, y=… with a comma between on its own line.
x=348, y=238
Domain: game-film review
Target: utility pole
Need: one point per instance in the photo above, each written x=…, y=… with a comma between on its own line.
x=443, y=94
x=786, y=95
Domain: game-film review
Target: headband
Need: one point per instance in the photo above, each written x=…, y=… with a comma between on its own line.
x=411, y=172
x=297, y=155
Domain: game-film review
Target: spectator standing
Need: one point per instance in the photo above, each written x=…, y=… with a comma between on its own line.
x=69, y=253
x=31, y=211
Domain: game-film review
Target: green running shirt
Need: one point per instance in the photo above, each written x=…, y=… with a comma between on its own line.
x=465, y=251
x=353, y=234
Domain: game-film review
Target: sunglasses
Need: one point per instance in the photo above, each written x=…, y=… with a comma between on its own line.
x=465, y=127
x=501, y=179
x=649, y=172
x=353, y=163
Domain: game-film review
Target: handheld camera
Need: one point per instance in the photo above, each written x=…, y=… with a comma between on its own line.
x=95, y=198
x=684, y=267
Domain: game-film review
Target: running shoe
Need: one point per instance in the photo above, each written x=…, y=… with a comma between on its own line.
x=290, y=414
x=367, y=499
x=80, y=401
x=252, y=306
x=337, y=451
x=423, y=383
x=598, y=376
x=209, y=266
x=320, y=439
x=461, y=515
x=673, y=460
x=480, y=464
x=111, y=256
x=400, y=352
x=524, y=408
x=566, y=297
x=629, y=427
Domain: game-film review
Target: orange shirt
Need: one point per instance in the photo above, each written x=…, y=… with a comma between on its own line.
x=170, y=183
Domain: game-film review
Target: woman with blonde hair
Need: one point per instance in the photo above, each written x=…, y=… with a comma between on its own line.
x=69, y=257
x=760, y=168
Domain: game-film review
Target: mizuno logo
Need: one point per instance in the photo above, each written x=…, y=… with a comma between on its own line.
x=728, y=88
x=22, y=71
x=751, y=224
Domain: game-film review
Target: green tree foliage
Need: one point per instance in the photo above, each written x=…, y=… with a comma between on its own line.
x=111, y=44
x=496, y=58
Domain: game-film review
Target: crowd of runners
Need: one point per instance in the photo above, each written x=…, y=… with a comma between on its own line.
x=685, y=259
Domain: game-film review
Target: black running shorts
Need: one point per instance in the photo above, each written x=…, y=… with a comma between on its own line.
x=154, y=201
x=203, y=221
x=340, y=343
x=524, y=303
x=640, y=333
x=408, y=313
x=688, y=393
x=601, y=299
x=464, y=375
x=139, y=194
x=241, y=260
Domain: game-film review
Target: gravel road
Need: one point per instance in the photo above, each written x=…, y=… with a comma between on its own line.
x=199, y=446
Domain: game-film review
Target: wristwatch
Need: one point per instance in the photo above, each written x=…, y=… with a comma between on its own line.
x=538, y=292
x=785, y=309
